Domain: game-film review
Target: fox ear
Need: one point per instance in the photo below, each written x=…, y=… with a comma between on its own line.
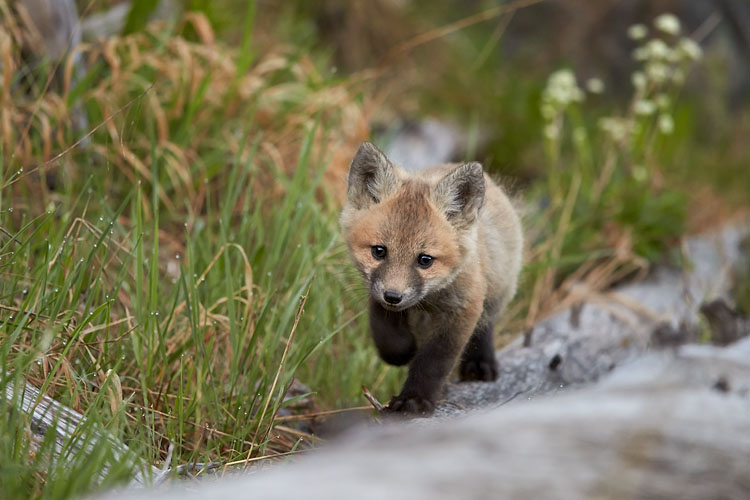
x=460, y=194
x=371, y=177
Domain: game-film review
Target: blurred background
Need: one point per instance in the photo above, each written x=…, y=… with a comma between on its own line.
x=172, y=173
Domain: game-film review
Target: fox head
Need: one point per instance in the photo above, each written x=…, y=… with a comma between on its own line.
x=409, y=235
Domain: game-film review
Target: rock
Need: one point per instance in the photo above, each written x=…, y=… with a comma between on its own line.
x=674, y=424
x=52, y=420
x=52, y=33
x=416, y=145
x=727, y=325
x=111, y=21
x=53, y=27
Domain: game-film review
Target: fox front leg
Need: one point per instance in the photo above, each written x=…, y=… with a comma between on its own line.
x=395, y=343
x=430, y=368
x=478, y=360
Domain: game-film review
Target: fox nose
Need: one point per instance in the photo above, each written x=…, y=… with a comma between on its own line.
x=392, y=297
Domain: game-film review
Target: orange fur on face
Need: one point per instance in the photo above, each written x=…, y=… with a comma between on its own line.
x=407, y=224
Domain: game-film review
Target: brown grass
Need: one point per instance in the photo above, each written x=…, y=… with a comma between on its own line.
x=281, y=112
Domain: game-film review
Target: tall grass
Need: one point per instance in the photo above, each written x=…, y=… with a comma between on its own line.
x=171, y=275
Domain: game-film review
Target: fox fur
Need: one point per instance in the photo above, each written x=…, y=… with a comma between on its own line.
x=440, y=252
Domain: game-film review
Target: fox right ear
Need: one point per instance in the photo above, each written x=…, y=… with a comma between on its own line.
x=460, y=194
x=371, y=177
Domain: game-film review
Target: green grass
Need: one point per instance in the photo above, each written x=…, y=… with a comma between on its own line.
x=178, y=276
x=197, y=347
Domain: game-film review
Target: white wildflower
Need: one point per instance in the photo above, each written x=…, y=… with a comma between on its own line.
x=563, y=78
x=639, y=80
x=690, y=49
x=644, y=107
x=595, y=85
x=617, y=128
x=657, y=72
x=637, y=32
x=665, y=124
x=561, y=91
x=562, y=88
x=668, y=23
x=657, y=49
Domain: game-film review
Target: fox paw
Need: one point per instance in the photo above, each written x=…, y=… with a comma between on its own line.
x=484, y=370
x=410, y=405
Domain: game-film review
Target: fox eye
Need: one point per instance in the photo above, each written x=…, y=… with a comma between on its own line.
x=379, y=252
x=424, y=261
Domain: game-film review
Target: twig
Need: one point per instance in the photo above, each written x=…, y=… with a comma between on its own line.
x=306, y=416
x=373, y=401
x=246, y=461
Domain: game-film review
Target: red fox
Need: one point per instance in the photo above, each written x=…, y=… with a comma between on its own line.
x=440, y=251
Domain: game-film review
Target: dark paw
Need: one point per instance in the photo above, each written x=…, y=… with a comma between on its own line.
x=410, y=405
x=484, y=370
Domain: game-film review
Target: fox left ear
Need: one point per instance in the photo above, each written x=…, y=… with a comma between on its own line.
x=460, y=194
x=371, y=177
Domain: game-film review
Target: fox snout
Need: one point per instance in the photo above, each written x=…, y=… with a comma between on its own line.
x=393, y=298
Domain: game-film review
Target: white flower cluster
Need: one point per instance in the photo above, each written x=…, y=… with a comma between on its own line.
x=561, y=91
x=638, y=32
x=663, y=62
x=660, y=104
x=689, y=49
x=665, y=57
x=595, y=85
x=668, y=23
x=618, y=129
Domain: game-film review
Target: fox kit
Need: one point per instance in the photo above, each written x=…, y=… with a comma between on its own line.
x=440, y=251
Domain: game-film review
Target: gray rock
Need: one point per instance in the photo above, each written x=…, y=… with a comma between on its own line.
x=111, y=21
x=56, y=22
x=665, y=426
x=417, y=145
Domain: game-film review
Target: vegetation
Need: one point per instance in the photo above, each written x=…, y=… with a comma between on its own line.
x=169, y=268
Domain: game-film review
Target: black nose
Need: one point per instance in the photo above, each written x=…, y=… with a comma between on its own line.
x=392, y=297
